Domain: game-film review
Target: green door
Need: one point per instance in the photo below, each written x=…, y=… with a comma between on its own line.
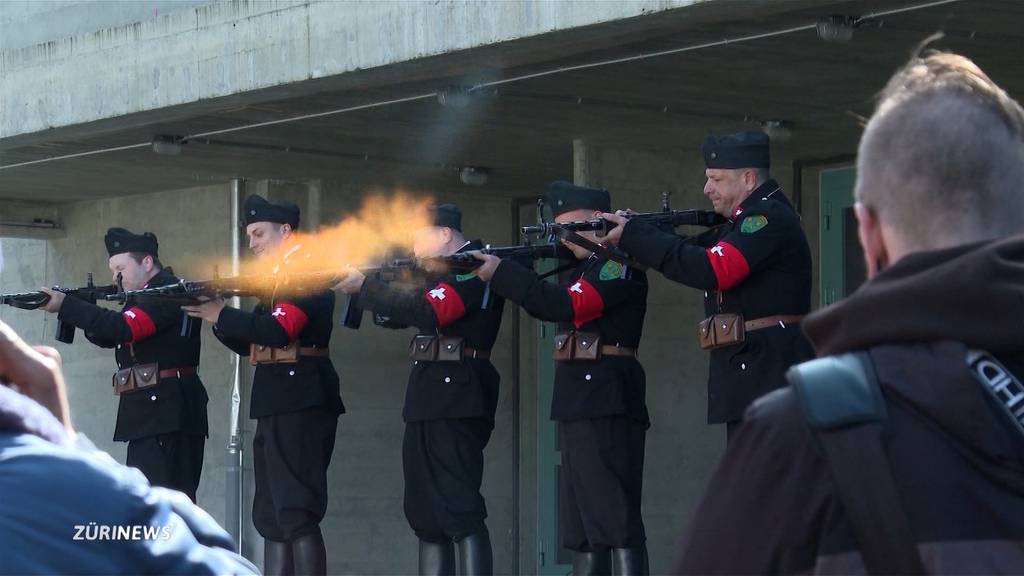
x=841, y=257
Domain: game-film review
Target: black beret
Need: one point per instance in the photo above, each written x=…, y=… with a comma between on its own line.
x=257, y=209
x=565, y=197
x=446, y=215
x=119, y=240
x=746, y=149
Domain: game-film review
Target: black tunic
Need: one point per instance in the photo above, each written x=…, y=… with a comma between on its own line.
x=286, y=387
x=144, y=333
x=600, y=296
x=759, y=263
x=455, y=305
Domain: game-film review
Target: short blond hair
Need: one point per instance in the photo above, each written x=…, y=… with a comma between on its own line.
x=942, y=157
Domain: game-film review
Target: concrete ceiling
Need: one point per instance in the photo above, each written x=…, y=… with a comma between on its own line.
x=522, y=131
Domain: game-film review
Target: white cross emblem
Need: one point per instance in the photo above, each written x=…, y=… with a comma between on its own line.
x=129, y=314
x=717, y=250
x=437, y=293
x=577, y=287
x=278, y=312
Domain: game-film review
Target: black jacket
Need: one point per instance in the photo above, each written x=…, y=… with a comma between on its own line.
x=144, y=333
x=454, y=305
x=276, y=321
x=760, y=264
x=956, y=457
x=600, y=296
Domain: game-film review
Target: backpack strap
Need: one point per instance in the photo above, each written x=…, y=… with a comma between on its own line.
x=843, y=404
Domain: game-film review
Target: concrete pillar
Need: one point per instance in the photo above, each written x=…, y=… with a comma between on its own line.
x=580, y=163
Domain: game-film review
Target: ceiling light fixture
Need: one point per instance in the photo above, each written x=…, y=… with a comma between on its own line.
x=473, y=175
x=837, y=29
x=778, y=130
x=166, y=145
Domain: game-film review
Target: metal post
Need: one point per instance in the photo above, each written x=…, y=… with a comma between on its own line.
x=233, y=492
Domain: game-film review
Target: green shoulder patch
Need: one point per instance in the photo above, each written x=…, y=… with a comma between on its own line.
x=464, y=277
x=611, y=270
x=752, y=224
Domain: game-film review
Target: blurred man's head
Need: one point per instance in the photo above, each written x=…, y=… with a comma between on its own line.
x=132, y=257
x=571, y=203
x=736, y=164
x=443, y=236
x=941, y=161
x=269, y=224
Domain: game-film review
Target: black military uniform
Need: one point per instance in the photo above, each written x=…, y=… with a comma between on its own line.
x=758, y=265
x=164, y=423
x=296, y=403
x=599, y=403
x=449, y=407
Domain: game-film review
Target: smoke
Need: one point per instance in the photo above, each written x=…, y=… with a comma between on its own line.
x=382, y=224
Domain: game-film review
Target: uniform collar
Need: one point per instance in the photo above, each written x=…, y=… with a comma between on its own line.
x=769, y=189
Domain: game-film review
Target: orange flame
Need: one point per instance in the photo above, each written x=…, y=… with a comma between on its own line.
x=382, y=224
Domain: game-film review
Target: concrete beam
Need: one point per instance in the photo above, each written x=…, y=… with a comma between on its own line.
x=227, y=48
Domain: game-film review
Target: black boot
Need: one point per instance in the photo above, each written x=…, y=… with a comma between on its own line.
x=594, y=563
x=630, y=561
x=475, y=554
x=277, y=558
x=310, y=554
x=437, y=558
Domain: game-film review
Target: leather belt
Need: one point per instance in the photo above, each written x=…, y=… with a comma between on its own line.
x=615, y=350
x=177, y=372
x=468, y=352
x=768, y=321
x=314, y=351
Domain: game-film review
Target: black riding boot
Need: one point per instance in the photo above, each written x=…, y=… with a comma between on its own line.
x=630, y=561
x=310, y=554
x=277, y=558
x=593, y=563
x=475, y=557
x=437, y=558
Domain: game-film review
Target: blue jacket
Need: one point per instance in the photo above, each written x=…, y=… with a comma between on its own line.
x=67, y=508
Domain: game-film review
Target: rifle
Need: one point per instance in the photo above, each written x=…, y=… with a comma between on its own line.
x=666, y=219
x=33, y=300
x=465, y=262
x=462, y=262
x=187, y=292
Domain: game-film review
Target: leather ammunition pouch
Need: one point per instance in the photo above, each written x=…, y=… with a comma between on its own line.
x=259, y=354
x=585, y=346
x=720, y=330
x=436, y=348
x=135, y=378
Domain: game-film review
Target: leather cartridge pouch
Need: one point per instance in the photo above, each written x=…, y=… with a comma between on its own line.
x=588, y=346
x=564, y=345
x=136, y=377
x=424, y=347
x=720, y=330
x=449, y=348
x=260, y=354
x=577, y=346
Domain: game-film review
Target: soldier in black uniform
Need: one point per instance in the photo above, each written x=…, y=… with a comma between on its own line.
x=450, y=400
x=600, y=387
x=757, y=265
x=163, y=418
x=295, y=397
